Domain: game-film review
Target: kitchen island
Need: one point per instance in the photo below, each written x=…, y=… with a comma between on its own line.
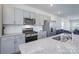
x=51, y=46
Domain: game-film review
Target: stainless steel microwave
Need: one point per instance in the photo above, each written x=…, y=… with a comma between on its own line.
x=28, y=21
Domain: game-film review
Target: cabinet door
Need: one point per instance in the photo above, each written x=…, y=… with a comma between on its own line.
x=8, y=15
x=26, y=14
x=39, y=19
x=40, y=35
x=33, y=15
x=44, y=34
x=7, y=45
x=18, y=16
x=20, y=39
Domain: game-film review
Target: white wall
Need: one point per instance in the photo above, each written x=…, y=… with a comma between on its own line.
x=73, y=17
x=66, y=23
x=63, y=23
x=0, y=20
x=58, y=23
x=75, y=24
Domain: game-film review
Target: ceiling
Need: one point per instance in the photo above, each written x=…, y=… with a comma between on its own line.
x=58, y=9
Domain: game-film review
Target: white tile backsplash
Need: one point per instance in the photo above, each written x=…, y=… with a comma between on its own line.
x=38, y=28
x=27, y=26
x=10, y=29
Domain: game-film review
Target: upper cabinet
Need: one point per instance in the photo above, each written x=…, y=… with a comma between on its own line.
x=8, y=15
x=18, y=16
x=12, y=15
x=39, y=20
x=33, y=15
x=47, y=18
x=38, y=17
x=26, y=14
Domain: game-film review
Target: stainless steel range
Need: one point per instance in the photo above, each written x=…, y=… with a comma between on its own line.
x=30, y=35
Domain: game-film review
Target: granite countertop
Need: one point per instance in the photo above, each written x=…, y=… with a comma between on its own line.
x=50, y=46
x=11, y=34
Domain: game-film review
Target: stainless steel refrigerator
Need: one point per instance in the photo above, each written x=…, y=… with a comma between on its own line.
x=49, y=27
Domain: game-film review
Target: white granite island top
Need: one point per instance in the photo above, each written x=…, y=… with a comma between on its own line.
x=50, y=46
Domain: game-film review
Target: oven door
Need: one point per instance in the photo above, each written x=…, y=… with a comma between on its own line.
x=30, y=38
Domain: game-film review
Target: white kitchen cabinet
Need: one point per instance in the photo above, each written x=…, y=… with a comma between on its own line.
x=47, y=18
x=26, y=14
x=8, y=15
x=7, y=45
x=10, y=44
x=42, y=34
x=12, y=15
x=18, y=16
x=20, y=39
x=33, y=15
x=39, y=19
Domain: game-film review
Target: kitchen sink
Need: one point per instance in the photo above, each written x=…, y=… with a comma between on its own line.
x=57, y=38
x=63, y=38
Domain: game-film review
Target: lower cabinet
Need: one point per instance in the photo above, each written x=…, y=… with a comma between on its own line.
x=20, y=39
x=42, y=34
x=10, y=44
x=7, y=45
